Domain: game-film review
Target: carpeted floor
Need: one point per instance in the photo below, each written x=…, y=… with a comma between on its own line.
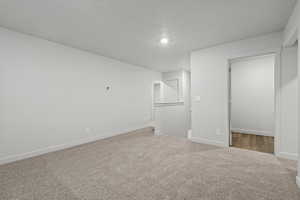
x=141, y=166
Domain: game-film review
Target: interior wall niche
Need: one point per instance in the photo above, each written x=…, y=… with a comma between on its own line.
x=171, y=90
x=157, y=97
x=166, y=92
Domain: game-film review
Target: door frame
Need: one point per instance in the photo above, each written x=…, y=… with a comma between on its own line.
x=277, y=72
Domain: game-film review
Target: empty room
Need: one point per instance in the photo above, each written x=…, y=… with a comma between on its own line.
x=149, y=100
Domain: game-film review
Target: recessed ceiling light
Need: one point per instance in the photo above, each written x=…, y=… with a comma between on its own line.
x=164, y=41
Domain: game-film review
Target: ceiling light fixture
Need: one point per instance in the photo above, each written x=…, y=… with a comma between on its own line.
x=164, y=41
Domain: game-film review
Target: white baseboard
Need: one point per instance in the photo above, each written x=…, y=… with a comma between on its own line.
x=189, y=134
x=298, y=181
x=253, y=132
x=157, y=132
x=286, y=155
x=13, y=158
x=206, y=141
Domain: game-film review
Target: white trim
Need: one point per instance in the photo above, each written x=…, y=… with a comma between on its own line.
x=189, y=134
x=228, y=105
x=168, y=104
x=277, y=111
x=286, y=155
x=254, y=132
x=157, y=132
x=247, y=58
x=298, y=181
x=207, y=141
x=277, y=101
x=13, y=158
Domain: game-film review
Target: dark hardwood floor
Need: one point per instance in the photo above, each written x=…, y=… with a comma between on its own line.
x=253, y=142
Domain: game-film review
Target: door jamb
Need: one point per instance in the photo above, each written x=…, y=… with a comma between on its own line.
x=277, y=74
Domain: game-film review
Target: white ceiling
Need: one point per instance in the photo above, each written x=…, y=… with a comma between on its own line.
x=130, y=30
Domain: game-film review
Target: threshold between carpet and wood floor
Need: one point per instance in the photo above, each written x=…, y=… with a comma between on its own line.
x=141, y=166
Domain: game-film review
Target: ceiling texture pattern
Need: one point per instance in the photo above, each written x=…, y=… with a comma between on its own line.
x=130, y=30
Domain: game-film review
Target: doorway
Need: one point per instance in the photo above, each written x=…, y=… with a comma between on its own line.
x=251, y=103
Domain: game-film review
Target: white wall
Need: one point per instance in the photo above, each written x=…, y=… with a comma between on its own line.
x=52, y=95
x=171, y=120
x=252, y=95
x=292, y=34
x=288, y=145
x=187, y=98
x=209, y=74
x=174, y=118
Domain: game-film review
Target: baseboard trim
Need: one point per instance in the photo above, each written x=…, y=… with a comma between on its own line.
x=54, y=148
x=253, y=132
x=286, y=155
x=157, y=132
x=189, y=134
x=298, y=181
x=206, y=141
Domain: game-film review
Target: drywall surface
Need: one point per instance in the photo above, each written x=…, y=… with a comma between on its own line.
x=187, y=98
x=171, y=120
x=292, y=34
x=288, y=103
x=209, y=84
x=292, y=27
x=174, y=118
x=52, y=95
x=252, y=95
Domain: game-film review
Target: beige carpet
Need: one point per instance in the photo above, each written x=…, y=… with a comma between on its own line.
x=141, y=166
